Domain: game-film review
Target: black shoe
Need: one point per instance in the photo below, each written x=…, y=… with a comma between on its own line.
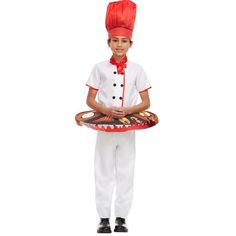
x=120, y=225
x=104, y=226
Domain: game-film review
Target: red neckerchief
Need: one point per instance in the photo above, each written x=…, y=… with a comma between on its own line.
x=121, y=65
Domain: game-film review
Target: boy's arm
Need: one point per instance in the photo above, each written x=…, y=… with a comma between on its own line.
x=92, y=103
x=143, y=105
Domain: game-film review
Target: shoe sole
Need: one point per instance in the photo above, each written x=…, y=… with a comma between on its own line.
x=106, y=230
x=120, y=230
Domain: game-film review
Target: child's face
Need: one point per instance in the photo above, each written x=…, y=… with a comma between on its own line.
x=119, y=45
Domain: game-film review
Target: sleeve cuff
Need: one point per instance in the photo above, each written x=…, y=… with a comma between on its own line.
x=144, y=90
x=91, y=87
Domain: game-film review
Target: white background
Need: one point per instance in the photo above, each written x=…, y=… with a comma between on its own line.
x=185, y=170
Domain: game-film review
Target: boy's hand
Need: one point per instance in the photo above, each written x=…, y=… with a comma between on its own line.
x=126, y=110
x=111, y=112
x=117, y=112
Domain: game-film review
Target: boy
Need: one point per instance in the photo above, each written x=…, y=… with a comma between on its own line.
x=117, y=84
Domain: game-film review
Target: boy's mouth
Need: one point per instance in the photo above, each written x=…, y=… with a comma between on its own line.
x=119, y=50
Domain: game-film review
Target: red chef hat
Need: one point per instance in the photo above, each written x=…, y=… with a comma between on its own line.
x=120, y=18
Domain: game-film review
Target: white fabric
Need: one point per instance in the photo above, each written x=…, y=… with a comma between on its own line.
x=114, y=166
x=115, y=152
x=103, y=78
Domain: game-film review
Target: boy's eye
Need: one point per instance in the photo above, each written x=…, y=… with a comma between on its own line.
x=122, y=41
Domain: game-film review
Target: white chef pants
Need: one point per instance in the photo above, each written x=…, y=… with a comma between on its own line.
x=114, y=167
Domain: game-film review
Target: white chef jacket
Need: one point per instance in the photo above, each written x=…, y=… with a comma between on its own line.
x=118, y=89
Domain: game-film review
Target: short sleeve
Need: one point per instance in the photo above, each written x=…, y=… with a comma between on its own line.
x=94, y=79
x=142, y=82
